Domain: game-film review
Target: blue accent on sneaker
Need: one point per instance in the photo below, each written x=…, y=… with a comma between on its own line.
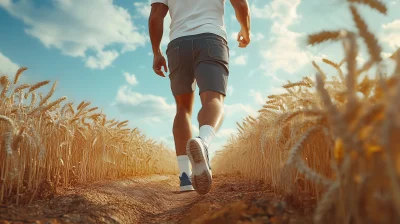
x=185, y=180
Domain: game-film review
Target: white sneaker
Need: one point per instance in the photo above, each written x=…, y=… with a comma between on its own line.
x=201, y=168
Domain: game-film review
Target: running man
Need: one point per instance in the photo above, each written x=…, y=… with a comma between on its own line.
x=197, y=53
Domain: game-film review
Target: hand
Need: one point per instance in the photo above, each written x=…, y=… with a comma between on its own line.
x=159, y=62
x=243, y=38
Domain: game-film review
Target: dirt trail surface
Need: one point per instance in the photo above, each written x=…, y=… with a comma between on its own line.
x=155, y=199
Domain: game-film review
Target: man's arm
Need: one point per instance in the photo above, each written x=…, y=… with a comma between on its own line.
x=156, y=29
x=156, y=25
x=242, y=12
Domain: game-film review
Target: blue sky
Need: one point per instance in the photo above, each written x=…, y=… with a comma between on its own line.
x=99, y=51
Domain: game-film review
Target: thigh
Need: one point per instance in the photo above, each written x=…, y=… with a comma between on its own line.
x=212, y=65
x=180, y=65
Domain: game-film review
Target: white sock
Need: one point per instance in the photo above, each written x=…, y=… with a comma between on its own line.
x=207, y=133
x=184, y=165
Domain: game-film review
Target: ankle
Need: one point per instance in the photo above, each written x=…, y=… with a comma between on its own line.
x=184, y=165
x=207, y=133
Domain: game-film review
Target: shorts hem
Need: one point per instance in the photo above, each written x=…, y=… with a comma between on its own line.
x=221, y=92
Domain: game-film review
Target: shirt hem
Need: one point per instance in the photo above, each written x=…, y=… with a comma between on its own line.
x=221, y=34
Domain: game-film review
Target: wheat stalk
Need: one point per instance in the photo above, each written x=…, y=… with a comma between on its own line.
x=375, y=4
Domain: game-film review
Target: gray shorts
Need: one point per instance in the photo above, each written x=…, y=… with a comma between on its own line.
x=202, y=58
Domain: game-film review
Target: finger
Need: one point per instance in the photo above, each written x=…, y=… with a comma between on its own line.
x=244, y=39
x=165, y=67
x=159, y=72
x=239, y=37
x=242, y=45
x=156, y=67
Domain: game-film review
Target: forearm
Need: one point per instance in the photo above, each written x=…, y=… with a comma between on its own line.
x=242, y=12
x=156, y=29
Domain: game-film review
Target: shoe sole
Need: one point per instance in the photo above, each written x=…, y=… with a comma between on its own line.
x=201, y=174
x=186, y=188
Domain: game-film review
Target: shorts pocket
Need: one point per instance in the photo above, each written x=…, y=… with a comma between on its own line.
x=218, y=50
x=173, y=59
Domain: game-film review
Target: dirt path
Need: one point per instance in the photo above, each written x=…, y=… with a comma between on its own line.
x=155, y=199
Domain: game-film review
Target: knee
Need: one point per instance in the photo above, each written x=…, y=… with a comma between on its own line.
x=214, y=104
x=212, y=98
x=182, y=119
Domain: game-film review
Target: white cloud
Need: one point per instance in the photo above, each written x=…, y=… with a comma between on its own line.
x=284, y=51
x=261, y=98
x=7, y=67
x=234, y=35
x=257, y=36
x=239, y=109
x=131, y=78
x=102, y=60
x=276, y=91
x=226, y=132
x=240, y=60
x=143, y=9
x=229, y=90
x=268, y=72
x=261, y=13
x=78, y=28
x=254, y=71
x=147, y=107
x=258, y=97
x=385, y=55
x=391, y=33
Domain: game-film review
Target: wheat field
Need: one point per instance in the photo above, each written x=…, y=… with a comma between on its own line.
x=335, y=138
x=50, y=144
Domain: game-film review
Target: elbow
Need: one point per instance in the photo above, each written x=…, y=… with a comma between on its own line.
x=244, y=5
x=241, y=5
x=152, y=20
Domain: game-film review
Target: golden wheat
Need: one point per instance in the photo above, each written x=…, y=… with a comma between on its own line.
x=50, y=144
x=339, y=147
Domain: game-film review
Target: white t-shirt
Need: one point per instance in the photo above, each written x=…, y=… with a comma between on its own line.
x=191, y=17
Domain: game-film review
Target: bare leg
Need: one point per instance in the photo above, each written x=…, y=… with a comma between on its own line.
x=210, y=118
x=212, y=112
x=182, y=131
x=182, y=128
